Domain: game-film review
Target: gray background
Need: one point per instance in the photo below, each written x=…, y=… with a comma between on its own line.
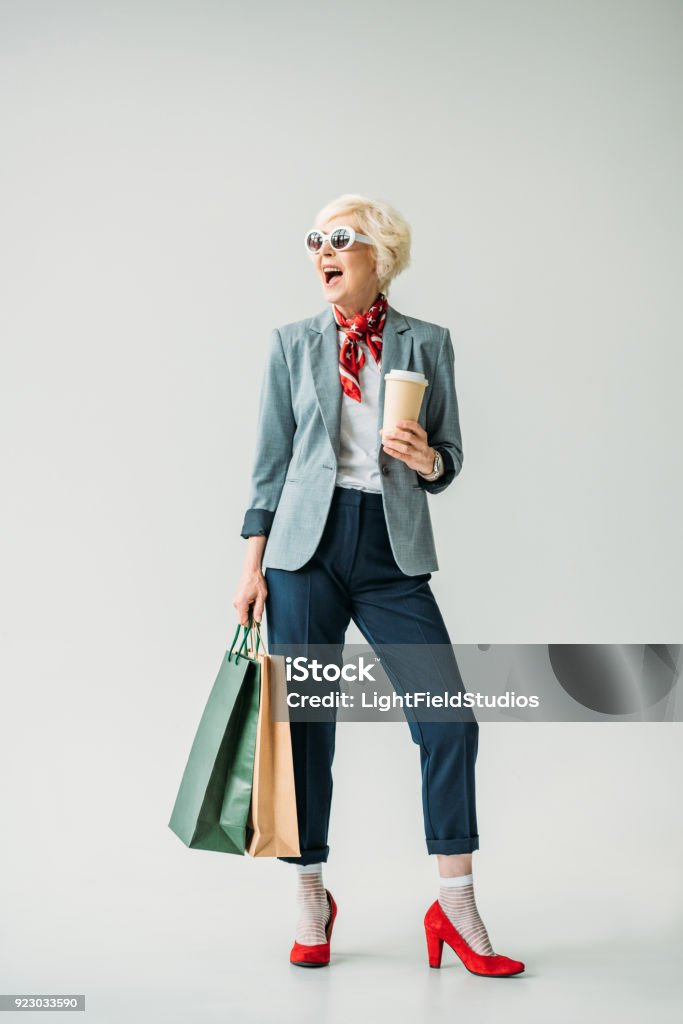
x=161, y=162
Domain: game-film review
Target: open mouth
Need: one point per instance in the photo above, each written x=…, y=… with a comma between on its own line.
x=332, y=275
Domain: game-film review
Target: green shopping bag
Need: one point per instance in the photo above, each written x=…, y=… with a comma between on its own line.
x=212, y=805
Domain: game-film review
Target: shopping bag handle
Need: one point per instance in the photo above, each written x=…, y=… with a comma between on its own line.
x=242, y=650
x=259, y=641
x=255, y=644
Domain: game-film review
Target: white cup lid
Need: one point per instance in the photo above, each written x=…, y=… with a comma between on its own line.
x=411, y=375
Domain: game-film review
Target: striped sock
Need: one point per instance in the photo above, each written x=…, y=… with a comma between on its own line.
x=314, y=910
x=456, y=897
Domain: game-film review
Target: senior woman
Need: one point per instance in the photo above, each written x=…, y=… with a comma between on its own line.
x=338, y=519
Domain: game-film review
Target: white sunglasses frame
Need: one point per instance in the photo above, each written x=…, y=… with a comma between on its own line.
x=355, y=236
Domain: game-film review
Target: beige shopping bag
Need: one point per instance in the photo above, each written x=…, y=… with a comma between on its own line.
x=272, y=827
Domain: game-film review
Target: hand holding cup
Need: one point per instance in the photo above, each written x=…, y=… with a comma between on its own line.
x=403, y=437
x=408, y=442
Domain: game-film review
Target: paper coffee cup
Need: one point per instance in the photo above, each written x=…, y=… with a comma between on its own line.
x=403, y=394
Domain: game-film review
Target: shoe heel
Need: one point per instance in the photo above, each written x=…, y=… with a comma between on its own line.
x=434, y=947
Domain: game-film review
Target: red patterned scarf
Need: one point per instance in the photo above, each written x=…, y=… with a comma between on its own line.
x=368, y=326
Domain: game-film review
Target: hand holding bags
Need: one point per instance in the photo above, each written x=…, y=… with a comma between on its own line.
x=237, y=793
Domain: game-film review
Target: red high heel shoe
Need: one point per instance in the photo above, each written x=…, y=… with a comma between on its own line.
x=438, y=929
x=319, y=955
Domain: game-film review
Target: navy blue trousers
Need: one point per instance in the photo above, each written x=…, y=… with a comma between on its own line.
x=354, y=575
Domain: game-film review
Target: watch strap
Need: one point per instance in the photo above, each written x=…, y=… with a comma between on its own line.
x=436, y=472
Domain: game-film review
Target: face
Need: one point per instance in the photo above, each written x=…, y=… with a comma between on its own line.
x=356, y=287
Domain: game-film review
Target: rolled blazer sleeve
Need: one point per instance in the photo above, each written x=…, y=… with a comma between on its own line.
x=443, y=421
x=274, y=434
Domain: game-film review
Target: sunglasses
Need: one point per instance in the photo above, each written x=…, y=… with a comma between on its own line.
x=341, y=238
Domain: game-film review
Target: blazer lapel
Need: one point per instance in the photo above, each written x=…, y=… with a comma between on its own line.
x=397, y=352
x=324, y=356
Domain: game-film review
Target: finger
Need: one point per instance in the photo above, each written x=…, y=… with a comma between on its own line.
x=413, y=426
x=401, y=457
x=243, y=613
x=258, y=609
x=398, y=453
x=406, y=446
x=399, y=426
x=400, y=435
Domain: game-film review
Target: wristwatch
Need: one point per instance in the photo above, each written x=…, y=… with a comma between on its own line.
x=436, y=471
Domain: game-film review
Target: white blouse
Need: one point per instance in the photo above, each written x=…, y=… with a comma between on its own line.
x=359, y=437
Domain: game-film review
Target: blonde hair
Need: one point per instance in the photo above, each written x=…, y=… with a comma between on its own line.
x=388, y=229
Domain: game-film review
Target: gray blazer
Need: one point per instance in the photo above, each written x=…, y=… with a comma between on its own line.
x=297, y=442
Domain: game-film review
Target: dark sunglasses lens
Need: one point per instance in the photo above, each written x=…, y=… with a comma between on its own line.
x=314, y=241
x=340, y=238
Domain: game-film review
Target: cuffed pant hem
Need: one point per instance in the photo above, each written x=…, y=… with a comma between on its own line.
x=447, y=846
x=309, y=857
